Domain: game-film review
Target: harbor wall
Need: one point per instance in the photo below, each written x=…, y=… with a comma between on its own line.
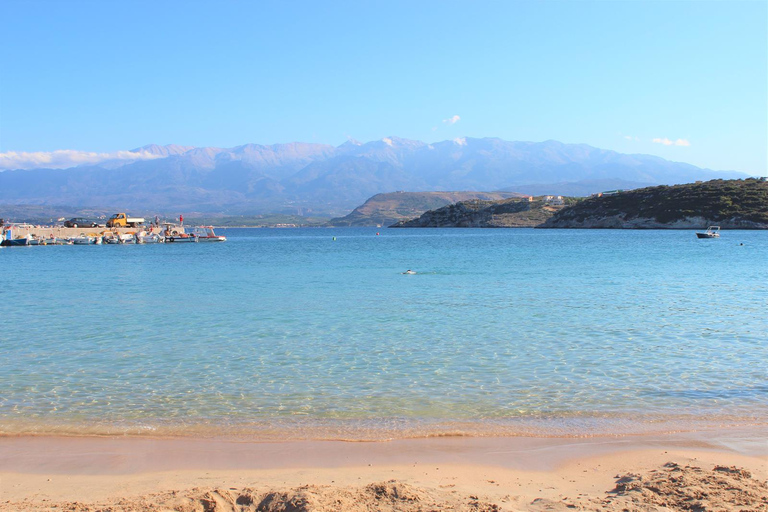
x=62, y=232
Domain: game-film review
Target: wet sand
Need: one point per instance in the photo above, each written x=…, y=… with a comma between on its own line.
x=515, y=473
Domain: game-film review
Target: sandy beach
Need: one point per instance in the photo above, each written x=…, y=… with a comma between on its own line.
x=710, y=470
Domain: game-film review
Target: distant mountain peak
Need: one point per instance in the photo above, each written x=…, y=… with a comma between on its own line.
x=167, y=150
x=351, y=143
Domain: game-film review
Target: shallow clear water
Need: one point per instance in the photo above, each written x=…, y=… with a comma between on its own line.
x=290, y=333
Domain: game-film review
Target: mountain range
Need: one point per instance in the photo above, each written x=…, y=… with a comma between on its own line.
x=319, y=179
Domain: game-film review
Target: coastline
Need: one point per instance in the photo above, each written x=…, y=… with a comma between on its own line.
x=37, y=472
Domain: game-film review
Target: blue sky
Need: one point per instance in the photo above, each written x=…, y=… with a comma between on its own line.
x=107, y=76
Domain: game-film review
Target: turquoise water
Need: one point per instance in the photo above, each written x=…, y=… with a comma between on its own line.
x=289, y=333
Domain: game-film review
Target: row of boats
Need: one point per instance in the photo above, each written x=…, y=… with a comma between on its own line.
x=193, y=235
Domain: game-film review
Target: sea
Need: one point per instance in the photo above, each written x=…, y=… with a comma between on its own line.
x=319, y=333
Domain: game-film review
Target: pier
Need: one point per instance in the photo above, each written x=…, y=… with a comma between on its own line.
x=22, y=230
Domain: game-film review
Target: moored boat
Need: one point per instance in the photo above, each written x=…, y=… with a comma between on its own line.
x=127, y=238
x=14, y=242
x=180, y=238
x=111, y=238
x=7, y=240
x=152, y=238
x=174, y=233
x=59, y=241
x=206, y=234
x=86, y=240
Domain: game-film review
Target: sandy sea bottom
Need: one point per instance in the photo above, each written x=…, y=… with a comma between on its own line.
x=290, y=334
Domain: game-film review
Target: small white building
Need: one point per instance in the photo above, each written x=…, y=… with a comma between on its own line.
x=554, y=200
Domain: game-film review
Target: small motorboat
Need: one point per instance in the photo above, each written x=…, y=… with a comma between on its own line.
x=86, y=240
x=126, y=238
x=111, y=238
x=206, y=234
x=7, y=239
x=59, y=241
x=14, y=242
x=176, y=234
x=152, y=238
x=711, y=232
x=180, y=238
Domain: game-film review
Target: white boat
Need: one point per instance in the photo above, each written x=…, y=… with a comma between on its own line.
x=180, y=238
x=86, y=240
x=152, y=238
x=206, y=234
x=711, y=232
x=59, y=241
x=173, y=233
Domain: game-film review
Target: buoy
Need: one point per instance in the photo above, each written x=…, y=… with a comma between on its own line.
x=377, y=233
x=334, y=239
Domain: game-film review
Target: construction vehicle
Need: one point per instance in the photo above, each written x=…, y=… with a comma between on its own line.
x=122, y=220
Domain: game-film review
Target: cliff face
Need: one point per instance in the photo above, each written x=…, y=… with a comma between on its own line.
x=731, y=204
x=508, y=213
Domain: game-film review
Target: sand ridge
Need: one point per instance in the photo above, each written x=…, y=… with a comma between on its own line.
x=724, y=470
x=671, y=486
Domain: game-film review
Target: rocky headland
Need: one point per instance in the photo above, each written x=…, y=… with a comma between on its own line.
x=389, y=208
x=507, y=213
x=731, y=204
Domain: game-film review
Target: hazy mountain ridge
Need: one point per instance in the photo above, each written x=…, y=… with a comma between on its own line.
x=323, y=179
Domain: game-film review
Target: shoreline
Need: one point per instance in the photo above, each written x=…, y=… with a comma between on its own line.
x=137, y=454
x=571, y=426
x=500, y=471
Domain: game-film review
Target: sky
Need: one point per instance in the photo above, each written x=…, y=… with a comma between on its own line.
x=687, y=81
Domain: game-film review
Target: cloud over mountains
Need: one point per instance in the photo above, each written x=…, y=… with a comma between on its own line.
x=64, y=158
x=322, y=179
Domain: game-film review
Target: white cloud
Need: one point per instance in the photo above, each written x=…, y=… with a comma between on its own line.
x=667, y=142
x=63, y=158
x=452, y=120
x=387, y=141
x=461, y=141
